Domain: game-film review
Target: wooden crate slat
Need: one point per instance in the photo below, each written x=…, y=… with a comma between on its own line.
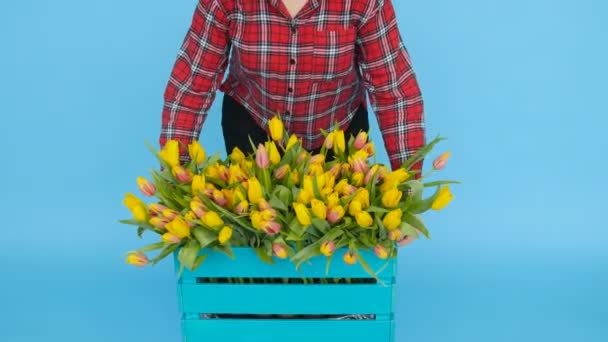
x=287, y=299
x=219, y=330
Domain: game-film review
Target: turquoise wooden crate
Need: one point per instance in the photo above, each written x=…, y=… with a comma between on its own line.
x=213, y=310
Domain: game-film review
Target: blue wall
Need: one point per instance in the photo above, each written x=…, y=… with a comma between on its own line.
x=520, y=255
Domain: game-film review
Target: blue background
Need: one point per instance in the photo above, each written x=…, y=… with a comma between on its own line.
x=516, y=87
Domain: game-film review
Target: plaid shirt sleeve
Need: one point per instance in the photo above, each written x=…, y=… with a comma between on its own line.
x=391, y=83
x=196, y=75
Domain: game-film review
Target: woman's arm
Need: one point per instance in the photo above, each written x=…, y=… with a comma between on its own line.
x=391, y=83
x=196, y=75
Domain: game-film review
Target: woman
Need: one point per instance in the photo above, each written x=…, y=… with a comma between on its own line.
x=309, y=61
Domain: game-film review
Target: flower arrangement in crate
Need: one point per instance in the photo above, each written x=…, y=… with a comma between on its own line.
x=283, y=202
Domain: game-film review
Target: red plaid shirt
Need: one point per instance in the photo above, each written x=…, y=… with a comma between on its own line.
x=313, y=70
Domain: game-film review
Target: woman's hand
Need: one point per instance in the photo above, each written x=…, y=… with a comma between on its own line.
x=406, y=240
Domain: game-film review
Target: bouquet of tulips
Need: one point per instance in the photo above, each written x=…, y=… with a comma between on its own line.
x=282, y=201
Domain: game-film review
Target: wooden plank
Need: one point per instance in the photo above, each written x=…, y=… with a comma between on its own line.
x=220, y=330
x=287, y=299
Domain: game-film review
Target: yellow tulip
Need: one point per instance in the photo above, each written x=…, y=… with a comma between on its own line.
x=349, y=258
x=169, y=213
x=381, y=252
x=302, y=214
x=318, y=208
x=170, y=153
x=295, y=177
x=157, y=208
x=276, y=128
x=293, y=139
x=339, y=142
x=307, y=184
x=442, y=200
x=198, y=184
x=212, y=171
x=328, y=248
x=225, y=234
x=198, y=208
x=273, y=153
x=254, y=190
x=171, y=238
x=138, y=259
x=315, y=169
x=279, y=250
x=363, y=197
x=178, y=227
x=256, y=219
x=392, y=220
x=197, y=152
x=138, y=208
x=237, y=155
x=341, y=186
x=329, y=140
x=236, y=174
x=158, y=222
x=212, y=219
x=369, y=148
x=333, y=199
x=391, y=198
x=304, y=197
x=394, y=235
x=145, y=186
x=357, y=178
x=242, y=207
x=354, y=207
x=335, y=213
x=364, y=219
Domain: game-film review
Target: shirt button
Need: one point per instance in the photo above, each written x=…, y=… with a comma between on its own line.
x=287, y=113
x=290, y=89
x=293, y=29
x=292, y=61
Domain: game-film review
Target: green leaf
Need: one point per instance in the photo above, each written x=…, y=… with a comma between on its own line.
x=365, y=264
x=327, y=264
x=408, y=229
x=263, y=255
x=152, y=247
x=140, y=231
x=416, y=188
x=276, y=203
x=315, y=187
x=187, y=255
x=313, y=249
x=421, y=206
x=284, y=195
x=320, y=224
x=165, y=252
x=204, y=236
x=375, y=209
x=440, y=182
x=226, y=249
x=197, y=262
x=417, y=223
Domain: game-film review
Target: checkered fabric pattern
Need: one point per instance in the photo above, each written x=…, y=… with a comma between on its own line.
x=312, y=70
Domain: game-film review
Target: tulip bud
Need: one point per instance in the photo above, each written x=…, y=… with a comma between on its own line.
x=317, y=159
x=333, y=199
x=181, y=174
x=439, y=162
x=357, y=178
x=256, y=219
x=345, y=168
x=391, y=198
x=364, y=219
x=236, y=174
x=392, y=220
x=157, y=208
x=350, y=189
x=304, y=197
x=219, y=198
x=295, y=177
x=370, y=173
x=138, y=208
x=198, y=208
x=354, y=207
x=273, y=153
x=198, y=183
x=301, y=157
x=190, y=219
x=349, y=258
x=302, y=214
x=281, y=172
x=329, y=141
x=159, y=222
x=138, y=259
x=170, y=214
x=363, y=197
x=178, y=227
x=369, y=149
x=197, y=152
x=335, y=170
x=171, y=238
x=328, y=248
x=360, y=140
x=380, y=252
x=223, y=173
x=315, y=169
x=265, y=207
x=242, y=207
x=237, y=155
x=279, y=250
x=335, y=214
x=254, y=191
x=360, y=165
x=225, y=234
x=275, y=125
x=261, y=157
x=212, y=220
x=146, y=187
x=319, y=209
x=339, y=142
x=293, y=139
x=170, y=153
x=394, y=234
x=272, y=228
x=443, y=198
